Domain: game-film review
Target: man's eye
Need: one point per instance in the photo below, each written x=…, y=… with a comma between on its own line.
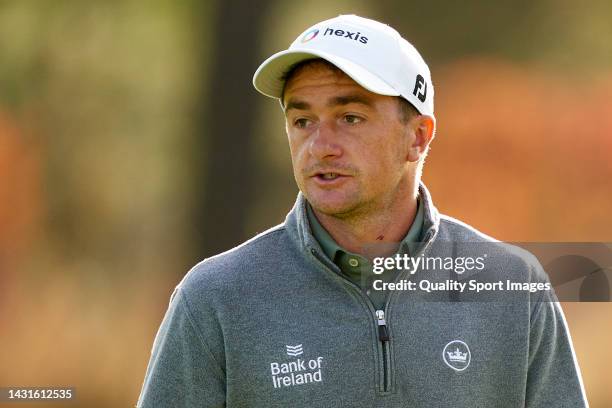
x=352, y=119
x=301, y=123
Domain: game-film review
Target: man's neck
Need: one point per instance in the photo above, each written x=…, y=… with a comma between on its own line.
x=386, y=225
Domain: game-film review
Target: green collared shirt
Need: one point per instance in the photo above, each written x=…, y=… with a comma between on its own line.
x=358, y=268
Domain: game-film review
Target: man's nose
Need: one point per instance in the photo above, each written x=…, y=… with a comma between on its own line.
x=324, y=142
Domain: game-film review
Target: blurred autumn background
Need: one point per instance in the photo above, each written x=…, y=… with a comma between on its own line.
x=132, y=145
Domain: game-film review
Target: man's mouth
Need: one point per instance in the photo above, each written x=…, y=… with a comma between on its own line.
x=328, y=176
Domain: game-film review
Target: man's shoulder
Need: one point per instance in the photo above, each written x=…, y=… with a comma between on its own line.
x=239, y=263
x=453, y=229
x=509, y=257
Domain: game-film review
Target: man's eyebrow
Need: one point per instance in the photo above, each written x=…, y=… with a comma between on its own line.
x=335, y=101
x=347, y=99
x=296, y=104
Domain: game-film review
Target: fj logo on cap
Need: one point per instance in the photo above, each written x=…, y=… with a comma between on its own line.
x=420, y=88
x=311, y=34
x=456, y=355
x=355, y=36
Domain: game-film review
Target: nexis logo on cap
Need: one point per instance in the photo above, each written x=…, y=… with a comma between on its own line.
x=356, y=36
x=309, y=35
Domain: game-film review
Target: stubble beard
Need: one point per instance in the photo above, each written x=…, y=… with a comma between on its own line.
x=355, y=205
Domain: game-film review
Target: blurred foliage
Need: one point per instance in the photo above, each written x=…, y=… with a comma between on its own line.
x=105, y=90
x=558, y=33
x=107, y=131
x=527, y=145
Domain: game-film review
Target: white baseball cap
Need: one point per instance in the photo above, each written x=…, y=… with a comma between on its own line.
x=372, y=53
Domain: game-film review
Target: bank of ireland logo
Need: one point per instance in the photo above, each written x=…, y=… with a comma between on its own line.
x=295, y=350
x=309, y=35
x=456, y=355
x=297, y=371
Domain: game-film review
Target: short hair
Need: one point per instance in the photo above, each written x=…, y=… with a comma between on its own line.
x=407, y=111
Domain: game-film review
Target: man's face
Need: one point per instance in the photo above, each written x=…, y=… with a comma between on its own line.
x=349, y=147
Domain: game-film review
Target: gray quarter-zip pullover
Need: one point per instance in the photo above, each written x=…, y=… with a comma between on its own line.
x=274, y=323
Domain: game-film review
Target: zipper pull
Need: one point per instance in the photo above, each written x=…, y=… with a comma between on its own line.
x=383, y=333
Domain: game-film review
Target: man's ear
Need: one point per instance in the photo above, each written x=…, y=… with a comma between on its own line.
x=424, y=128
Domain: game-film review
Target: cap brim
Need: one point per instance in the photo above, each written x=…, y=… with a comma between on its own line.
x=269, y=77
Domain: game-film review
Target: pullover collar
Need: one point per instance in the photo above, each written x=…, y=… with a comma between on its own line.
x=300, y=232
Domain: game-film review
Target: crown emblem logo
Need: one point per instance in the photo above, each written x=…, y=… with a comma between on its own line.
x=457, y=355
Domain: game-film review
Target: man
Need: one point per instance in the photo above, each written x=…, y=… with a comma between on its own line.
x=325, y=310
